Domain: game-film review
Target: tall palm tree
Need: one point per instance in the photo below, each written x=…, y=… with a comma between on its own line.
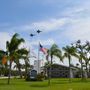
x=80, y=55
x=26, y=66
x=69, y=52
x=86, y=56
x=86, y=59
x=25, y=54
x=21, y=54
x=11, y=47
x=53, y=51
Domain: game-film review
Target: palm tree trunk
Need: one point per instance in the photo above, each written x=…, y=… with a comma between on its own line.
x=19, y=69
x=49, y=76
x=82, y=75
x=50, y=72
x=25, y=70
x=9, y=72
x=69, y=69
x=20, y=73
x=87, y=69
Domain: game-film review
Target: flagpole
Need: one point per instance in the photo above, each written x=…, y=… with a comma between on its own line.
x=38, y=31
x=31, y=35
x=38, y=57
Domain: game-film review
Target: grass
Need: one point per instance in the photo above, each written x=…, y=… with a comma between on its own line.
x=56, y=84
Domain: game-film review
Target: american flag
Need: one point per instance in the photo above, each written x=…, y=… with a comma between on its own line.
x=42, y=49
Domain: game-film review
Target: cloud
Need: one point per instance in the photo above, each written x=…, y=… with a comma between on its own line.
x=80, y=9
x=79, y=29
x=48, y=42
x=52, y=24
x=77, y=10
x=74, y=11
x=74, y=25
x=46, y=26
x=4, y=36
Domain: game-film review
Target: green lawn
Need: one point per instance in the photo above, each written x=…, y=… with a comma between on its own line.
x=56, y=84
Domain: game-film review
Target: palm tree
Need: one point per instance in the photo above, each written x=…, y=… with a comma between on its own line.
x=80, y=55
x=26, y=59
x=26, y=66
x=53, y=51
x=69, y=52
x=86, y=56
x=22, y=54
x=11, y=47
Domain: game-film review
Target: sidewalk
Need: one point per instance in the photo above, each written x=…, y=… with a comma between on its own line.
x=3, y=77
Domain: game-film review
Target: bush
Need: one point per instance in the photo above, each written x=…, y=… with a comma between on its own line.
x=40, y=77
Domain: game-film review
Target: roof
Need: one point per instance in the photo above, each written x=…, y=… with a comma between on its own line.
x=72, y=67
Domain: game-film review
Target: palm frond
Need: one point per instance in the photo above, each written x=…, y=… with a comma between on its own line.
x=55, y=51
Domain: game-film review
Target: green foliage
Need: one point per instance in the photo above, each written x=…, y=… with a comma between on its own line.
x=2, y=53
x=55, y=51
x=40, y=77
x=14, y=43
x=27, y=78
x=12, y=47
x=69, y=51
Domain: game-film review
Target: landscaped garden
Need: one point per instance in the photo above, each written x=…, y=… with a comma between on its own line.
x=56, y=84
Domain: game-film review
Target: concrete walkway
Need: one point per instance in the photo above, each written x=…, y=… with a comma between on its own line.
x=3, y=77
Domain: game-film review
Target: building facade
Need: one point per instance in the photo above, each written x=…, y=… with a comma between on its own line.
x=62, y=71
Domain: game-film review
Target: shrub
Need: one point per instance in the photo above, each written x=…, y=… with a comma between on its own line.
x=40, y=76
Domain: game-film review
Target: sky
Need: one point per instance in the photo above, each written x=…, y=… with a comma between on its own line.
x=61, y=21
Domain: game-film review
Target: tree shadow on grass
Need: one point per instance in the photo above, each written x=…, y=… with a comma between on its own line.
x=39, y=86
x=67, y=81
x=5, y=84
x=60, y=82
x=81, y=81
